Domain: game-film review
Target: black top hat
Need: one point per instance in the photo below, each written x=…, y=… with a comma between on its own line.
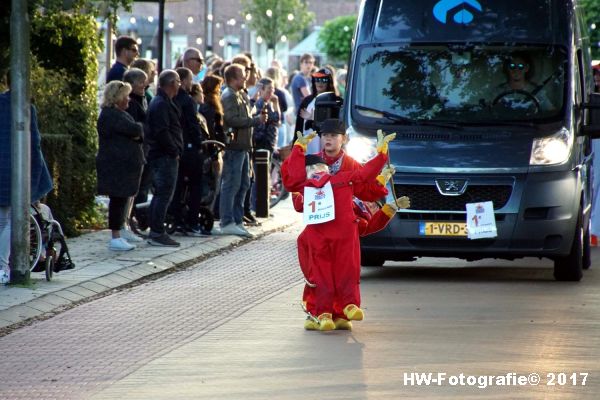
x=332, y=125
x=313, y=159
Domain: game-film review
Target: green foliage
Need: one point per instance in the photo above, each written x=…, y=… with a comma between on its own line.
x=592, y=16
x=67, y=122
x=65, y=92
x=335, y=38
x=272, y=28
x=47, y=8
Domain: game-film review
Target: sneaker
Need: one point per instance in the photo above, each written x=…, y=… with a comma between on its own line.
x=325, y=322
x=353, y=313
x=120, y=244
x=196, y=231
x=311, y=324
x=233, y=229
x=130, y=236
x=246, y=233
x=342, y=324
x=162, y=240
x=250, y=220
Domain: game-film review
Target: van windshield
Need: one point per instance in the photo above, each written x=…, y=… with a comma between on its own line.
x=458, y=83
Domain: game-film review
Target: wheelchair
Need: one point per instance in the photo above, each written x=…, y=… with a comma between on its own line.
x=48, y=246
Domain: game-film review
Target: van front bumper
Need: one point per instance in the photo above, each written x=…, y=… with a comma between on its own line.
x=538, y=220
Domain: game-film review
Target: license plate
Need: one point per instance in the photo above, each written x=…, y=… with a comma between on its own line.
x=442, y=228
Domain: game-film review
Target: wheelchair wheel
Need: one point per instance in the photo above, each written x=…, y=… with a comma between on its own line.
x=170, y=225
x=35, y=242
x=206, y=219
x=278, y=192
x=49, y=266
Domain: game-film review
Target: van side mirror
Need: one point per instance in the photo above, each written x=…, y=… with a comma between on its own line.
x=592, y=128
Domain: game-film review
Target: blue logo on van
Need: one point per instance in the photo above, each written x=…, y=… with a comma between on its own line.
x=462, y=14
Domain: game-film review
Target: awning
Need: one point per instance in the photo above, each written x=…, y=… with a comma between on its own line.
x=308, y=45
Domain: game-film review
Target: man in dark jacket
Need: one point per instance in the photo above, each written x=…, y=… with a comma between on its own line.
x=127, y=50
x=190, y=166
x=235, y=180
x=165, y=141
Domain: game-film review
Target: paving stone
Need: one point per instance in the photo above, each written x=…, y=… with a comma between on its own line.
x=41, y=305
x=94, y=286
x=19, y=313
x=80, y=290
x=69, y=295
x=107, y=281
x=56, y=301
x=129, y=274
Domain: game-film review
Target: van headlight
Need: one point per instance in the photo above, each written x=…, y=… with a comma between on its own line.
x=359, y=147
x=551, y=150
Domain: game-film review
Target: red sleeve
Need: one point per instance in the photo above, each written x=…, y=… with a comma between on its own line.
x=378, y=221
x=298, y=201
x=368, y=191
x=371, y=169
x=293, y=172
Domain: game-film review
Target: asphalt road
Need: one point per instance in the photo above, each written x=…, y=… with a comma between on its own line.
x=231, y=328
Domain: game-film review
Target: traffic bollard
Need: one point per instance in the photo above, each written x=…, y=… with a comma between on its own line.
x=262, y=180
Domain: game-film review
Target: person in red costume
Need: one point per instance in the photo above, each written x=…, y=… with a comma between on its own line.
x=370, y=220
x=331, y=236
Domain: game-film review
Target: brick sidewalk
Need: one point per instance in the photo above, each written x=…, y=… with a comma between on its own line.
x=99, y=270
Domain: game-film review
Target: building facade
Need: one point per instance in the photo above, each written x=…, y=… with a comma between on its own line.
x=214, y=26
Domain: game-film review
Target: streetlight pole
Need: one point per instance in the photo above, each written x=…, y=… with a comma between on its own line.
x=20, y=191
x=161, y=34
x=209, y=27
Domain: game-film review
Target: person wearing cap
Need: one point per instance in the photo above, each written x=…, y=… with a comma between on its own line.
x=333, y=137
x=322, y=81
x=331, y=251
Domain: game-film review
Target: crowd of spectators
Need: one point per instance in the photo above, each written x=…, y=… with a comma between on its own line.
x=168, y=137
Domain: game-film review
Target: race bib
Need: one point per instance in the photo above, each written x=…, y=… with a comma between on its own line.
x=318, y=205
x=481, y=222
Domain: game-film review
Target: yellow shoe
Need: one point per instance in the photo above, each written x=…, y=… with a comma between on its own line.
x=310, y=324
x=353, y=313
x=325, y=322
x=342, y=324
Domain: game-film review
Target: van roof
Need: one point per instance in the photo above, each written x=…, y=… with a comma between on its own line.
x=523, y=21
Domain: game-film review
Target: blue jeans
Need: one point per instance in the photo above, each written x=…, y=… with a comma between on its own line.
x=164, y=172
x=235, y=182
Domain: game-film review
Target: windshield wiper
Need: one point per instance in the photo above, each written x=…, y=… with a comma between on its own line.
x=395, y=118
x=523, y=124
x=386, y=114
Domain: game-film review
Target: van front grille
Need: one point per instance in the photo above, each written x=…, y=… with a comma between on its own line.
x=428, y=198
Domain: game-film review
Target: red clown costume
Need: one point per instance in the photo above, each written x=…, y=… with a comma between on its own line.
x=367, y=223
x=330, y=251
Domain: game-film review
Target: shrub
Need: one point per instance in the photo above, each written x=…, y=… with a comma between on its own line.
x=64, y=90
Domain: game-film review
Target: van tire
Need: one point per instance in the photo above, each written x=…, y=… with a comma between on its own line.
x=369, y=260
x=570, y=267
x=587, y=250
